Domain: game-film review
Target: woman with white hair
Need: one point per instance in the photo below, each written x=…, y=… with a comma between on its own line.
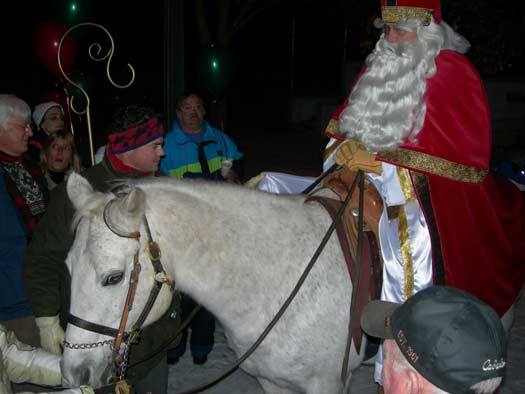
x=23, y=200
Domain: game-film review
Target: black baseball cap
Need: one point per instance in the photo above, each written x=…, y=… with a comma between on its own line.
x=450, y=337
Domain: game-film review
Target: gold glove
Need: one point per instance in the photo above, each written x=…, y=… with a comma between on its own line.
x=354, y=156
x=121, y=387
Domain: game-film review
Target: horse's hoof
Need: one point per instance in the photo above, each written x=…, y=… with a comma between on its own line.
x=199, y=360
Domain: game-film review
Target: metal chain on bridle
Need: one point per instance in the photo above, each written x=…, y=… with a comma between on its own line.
x=83, y=346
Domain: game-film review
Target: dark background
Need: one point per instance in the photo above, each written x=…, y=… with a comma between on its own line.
x=289, y=49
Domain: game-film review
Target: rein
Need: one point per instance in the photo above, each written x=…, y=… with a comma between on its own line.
x=154, y=251
x=293, y=293
x=312, y=186
x=122, y=338
x=355, y=286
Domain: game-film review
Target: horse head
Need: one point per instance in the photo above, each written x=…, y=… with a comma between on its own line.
x=107, y=252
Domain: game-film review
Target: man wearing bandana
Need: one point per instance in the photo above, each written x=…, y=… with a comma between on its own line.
x=417, y=123
x=23, y=196
x=133, y=151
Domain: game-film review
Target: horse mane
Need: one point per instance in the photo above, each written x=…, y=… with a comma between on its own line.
x=206, y=190
x=191, y=189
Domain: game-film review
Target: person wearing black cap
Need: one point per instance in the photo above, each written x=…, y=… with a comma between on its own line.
x=441, y=340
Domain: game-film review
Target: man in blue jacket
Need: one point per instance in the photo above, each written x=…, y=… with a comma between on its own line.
x=194, y=149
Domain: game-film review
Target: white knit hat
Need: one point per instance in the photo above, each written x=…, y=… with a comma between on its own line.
x=41, y=109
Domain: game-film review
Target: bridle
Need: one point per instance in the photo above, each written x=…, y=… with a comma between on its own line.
x=123, y=339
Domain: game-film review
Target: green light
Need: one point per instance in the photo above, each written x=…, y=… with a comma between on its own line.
x=214, y=64
x=73, y=7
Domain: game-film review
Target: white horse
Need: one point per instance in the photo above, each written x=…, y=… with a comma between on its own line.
x=239, y=252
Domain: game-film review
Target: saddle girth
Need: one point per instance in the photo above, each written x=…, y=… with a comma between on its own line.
x=358, y=233
x=370, y=274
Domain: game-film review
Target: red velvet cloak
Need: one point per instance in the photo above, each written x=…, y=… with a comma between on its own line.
x=479, y=216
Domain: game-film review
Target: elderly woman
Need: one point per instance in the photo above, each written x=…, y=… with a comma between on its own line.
x=59, y=157
x=23, y=201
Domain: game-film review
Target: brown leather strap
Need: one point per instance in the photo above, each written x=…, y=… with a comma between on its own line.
x=370, y=265
x=133, y=282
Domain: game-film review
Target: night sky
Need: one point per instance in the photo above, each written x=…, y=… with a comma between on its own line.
x=264, y=74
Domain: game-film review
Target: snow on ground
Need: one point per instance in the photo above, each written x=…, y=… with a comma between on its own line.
x=185, y=375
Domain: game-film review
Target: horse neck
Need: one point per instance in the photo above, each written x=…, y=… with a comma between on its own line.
x=197, y=229
x=226, y=244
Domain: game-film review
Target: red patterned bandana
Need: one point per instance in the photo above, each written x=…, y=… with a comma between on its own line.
x=136, y=137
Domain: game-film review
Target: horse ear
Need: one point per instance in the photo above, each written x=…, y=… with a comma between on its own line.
x=127, y=212
x=134, y=203
x=78, y=189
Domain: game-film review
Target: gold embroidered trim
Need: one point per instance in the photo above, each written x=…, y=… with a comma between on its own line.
x=332, y=127
x=434, y=165
x=328, y=151
x=406, y=185
x=393, y=15
x=406, y=254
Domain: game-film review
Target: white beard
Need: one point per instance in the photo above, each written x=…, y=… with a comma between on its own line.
x=387, y=103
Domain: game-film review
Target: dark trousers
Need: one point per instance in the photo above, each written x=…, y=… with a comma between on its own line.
x=202, y=328
x=25, y=329
x=155, y=382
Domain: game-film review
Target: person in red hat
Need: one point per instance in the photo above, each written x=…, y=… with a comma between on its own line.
x=417, y=122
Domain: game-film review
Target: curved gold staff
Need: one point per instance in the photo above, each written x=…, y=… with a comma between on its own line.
x=94, y=51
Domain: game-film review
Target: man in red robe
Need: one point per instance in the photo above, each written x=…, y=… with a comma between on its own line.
x=419, y=111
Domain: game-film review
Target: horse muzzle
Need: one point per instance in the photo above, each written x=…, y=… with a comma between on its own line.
x=92, y=371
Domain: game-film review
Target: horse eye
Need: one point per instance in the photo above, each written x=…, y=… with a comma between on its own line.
x=113, y=279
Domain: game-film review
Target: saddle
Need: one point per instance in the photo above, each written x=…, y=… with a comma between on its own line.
x=371, y=268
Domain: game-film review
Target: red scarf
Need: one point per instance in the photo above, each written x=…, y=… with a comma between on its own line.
x=121, y=167
x=26, y=185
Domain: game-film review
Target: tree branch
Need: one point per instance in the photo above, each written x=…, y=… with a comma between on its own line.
x=245, y=16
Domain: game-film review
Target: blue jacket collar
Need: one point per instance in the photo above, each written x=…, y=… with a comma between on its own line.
x=182, y=138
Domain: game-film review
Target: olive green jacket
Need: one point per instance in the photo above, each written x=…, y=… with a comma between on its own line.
x=47, y=278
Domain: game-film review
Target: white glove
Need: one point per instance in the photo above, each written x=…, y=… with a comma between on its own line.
x=51, y=334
